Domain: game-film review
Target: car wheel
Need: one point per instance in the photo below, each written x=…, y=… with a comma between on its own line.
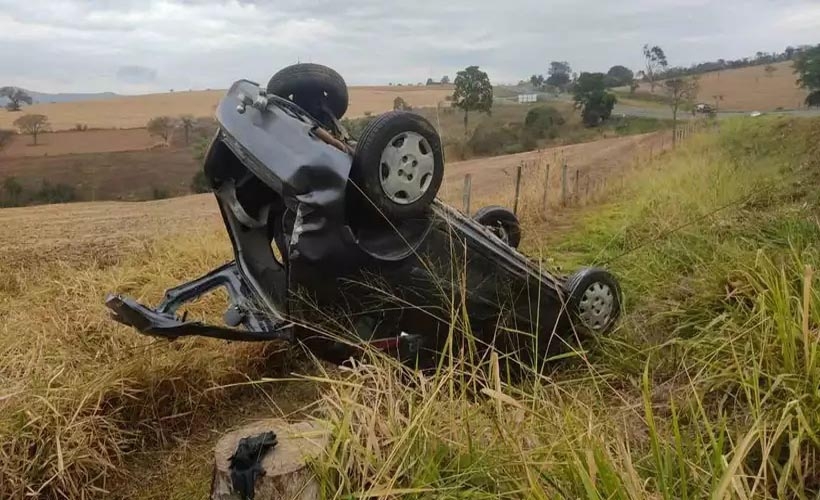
x=594, y=299
x=311, y=85
x=399, y=164
x=502, y=222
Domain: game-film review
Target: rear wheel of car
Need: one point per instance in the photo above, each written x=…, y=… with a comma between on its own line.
x=502, y=222
x=399, y=164
x=312, y=87
x=594, y=299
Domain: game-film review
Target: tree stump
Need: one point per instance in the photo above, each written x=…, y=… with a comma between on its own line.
x=287, y=476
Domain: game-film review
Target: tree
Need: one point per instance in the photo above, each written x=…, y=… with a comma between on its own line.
x=473, y=92
x=680, y=91
x=16, y=97
x=769, y=69
x=559, y=74
x=161, y=126
x=619, y=76
x=807, y=64
x=445, y=80
x=592, y=97
x=430, y=81
x=32, y=125
x=187, y=123
x=656, y=64
x=399, y=104
x=5, y=137
x=537, y=81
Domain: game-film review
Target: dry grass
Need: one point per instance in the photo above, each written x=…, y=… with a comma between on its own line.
x=135, y=111
x=82, y=396
x=749, y=89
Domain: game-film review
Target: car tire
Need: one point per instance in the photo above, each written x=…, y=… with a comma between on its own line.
x=502, y=222
x=594, y=299
x=310, y=85
x=398, y=165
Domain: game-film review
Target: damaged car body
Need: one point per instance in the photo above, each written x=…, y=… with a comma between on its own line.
x=335, y=235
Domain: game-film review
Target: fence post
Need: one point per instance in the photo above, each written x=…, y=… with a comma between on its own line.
x=564, y=184
x=546, y=189
x=577, y=190
x=468, y=181
x=517, y=186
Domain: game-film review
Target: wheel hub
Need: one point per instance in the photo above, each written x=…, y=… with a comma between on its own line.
x=596, y=306
x=407, y=165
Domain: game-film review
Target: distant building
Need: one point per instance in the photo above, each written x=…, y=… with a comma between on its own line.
x=524, y=98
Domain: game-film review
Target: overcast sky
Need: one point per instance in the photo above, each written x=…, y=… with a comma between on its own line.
x=138, y=46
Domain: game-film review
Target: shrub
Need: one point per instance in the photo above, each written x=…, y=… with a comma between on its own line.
x=491, y=138
x=199, y=183
x=159, y=193
x=80, y=127
x=55, y=193
x=543, y=121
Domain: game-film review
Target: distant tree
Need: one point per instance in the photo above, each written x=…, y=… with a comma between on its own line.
x=161, y=126
x=592, y=97
x=16, y=97
x=807, y=65
x=656, y=64
x=680, y=91
x=619, y=76
x=559, y=74
x=537, y=81
x=633, y=86
x=32, y=125
x=769, y=69
x=445, y=80
x=399, y=104
x=473, y=92
x=789, y=52
x=430, y=81
x=187, y=123
x=5, y=137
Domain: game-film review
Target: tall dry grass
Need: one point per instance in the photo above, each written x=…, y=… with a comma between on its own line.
x=708, y=390
x=79, y=392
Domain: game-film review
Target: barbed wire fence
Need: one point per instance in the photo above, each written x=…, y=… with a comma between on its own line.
x=550, y=183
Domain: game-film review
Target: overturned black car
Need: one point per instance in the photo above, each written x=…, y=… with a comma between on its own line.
x=340, y=243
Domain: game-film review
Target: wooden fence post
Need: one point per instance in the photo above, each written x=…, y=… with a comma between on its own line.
x=468, y=181
x=546, y=189
x=517, y=186
x=577, y=191
x=564, y=184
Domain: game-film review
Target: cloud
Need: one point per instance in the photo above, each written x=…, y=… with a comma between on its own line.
x=136, y=74
x=83, y=45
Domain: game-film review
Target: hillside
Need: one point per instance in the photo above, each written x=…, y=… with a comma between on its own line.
x=750, y=88
x=708, y=389
x=45, y=98
x=135, y=111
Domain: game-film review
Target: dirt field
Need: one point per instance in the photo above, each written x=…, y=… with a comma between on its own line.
x=90, y=141
x=135, y=111
x=749, y=89
x=129, y=175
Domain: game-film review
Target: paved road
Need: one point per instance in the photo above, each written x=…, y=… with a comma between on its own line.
x=664, y=113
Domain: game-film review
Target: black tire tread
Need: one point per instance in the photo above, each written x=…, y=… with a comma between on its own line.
x=311, y=72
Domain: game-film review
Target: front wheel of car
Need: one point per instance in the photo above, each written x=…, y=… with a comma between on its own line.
x=398, y=165
x=594, y=299
x=502, y=222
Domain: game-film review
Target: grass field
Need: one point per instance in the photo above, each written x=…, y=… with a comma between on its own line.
x=135, y=111
x=708, y=389
x=750, y=89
